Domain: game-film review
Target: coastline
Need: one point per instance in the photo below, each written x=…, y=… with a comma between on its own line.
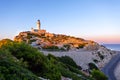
x=114, y=47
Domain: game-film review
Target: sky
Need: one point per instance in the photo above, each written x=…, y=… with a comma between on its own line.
x=97, y=20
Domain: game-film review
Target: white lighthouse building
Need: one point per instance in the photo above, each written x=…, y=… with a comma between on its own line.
x=38, y=24
x=38, y=30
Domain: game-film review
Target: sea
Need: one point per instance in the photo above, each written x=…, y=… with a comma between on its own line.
x=112, y=46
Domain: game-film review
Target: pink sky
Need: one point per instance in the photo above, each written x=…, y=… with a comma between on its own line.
x=115, y=39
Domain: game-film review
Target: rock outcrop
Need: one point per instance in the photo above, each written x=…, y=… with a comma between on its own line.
x=81, y=51
x=42, y=40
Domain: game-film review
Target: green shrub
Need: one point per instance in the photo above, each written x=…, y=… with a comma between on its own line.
x=10, y=70
x=34, y=60
x=98, y=75
x=53, y=71
x=81, y=46
x=19, y=58
x=67, y=73
x=51, y=48
x=68, y=60
x=92, y=66
x=65, y=69
x=67, y=46
x=50, y=56
x=29, y=36
x=101, y=56
x=95, y=60
x=5, y=42
x=62, y=49
x=75, y=70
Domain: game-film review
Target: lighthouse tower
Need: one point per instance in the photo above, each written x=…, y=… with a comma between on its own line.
x=38, y=24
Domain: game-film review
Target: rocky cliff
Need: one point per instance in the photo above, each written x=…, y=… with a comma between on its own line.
x=83, y=52
x=49, y=40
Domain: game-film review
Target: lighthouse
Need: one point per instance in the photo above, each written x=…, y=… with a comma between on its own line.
x=38, y=24
x=38, y=30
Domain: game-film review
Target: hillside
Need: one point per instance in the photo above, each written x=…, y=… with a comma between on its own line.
x=48, y=40
x=20, y=61
x=83, y=52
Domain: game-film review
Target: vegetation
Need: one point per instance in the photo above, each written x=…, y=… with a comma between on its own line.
x=10, y=67
x=67, y=46
x=20, y=61
x=11, y=71
x=53, y=48
x=67, y=70
x=67, y=41
x=92, y=66
x=29, y=36
x=101, y=56
x=81, y=46
x=98, y=75
x=68, y=60
x=35, y=60
x=95, y=60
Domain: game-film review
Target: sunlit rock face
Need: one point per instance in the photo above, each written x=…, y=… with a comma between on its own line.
x=81, y=51
x=42, y=38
